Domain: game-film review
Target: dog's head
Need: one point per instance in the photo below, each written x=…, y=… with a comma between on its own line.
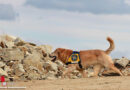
x=60, y=54
x=56, y=54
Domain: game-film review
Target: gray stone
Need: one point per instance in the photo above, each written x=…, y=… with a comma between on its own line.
x=50, y=76
x=51, y=66
x=46, y=48
x=90, y=72
x=18, y=69
x=3, y=73
x=126, y=71
x=123, y=62
x=59, y=63
x=12, y=54
x=8, y=69
x=33, y=60
x=2, y=64
x=19, y=42
x=7, y=40
x=33, y=75
x=9, y=44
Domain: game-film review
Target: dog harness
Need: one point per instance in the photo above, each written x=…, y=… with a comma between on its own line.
x=74, y=59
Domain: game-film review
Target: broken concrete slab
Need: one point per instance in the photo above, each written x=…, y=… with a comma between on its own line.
x=46, y=48
x=18, y=69
x=2, y=64
x=3, y=73
x=33, y=60
x=50, y=65
x=12, y=54
x=123, y=62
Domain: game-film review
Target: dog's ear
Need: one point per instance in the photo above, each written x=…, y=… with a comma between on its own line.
x=58, y=51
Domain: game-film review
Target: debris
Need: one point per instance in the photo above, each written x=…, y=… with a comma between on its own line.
x=3, y=73
x=18, y=69
x=46, y=48
x=2, y=64
x=12, y=54
x=123, y=62
x=21, y=60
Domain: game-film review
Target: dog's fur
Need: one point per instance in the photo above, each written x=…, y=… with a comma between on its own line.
x=97, y=58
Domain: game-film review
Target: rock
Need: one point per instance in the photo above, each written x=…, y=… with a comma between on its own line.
x=9, y=44
x=74, y=77
x=46, y=48
x=33, y=75
x=18, y=69
x=8, y=69
x=126, y=71
x=32, y=44
x=90, y=72
x=2, y=64
x=123, y=62
x=33, y=60
x=7, y=38
x=14, y=78
x=50, y=65
x=19, y=42
x=3, y=73
x=29, y=48
x=47, y=66
x=76, y=74
x=3, y=45
x=10, y=63
x=12, y=54
x=59, y=63
x=50, y=76
x=41, y=53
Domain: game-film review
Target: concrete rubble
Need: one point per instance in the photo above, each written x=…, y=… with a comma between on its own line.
x=21, y=60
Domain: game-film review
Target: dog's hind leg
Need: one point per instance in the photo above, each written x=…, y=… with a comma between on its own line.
x=115, y=69
x=110, y=64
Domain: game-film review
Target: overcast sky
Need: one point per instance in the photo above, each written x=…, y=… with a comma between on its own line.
x=74, y=24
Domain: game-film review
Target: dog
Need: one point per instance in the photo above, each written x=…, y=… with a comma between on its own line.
x=97, y=58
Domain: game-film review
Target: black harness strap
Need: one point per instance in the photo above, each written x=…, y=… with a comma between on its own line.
x=80, y=65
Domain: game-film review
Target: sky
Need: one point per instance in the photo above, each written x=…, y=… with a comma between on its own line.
x=72, y=24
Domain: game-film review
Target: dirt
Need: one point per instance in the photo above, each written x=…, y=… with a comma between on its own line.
x=98, y=83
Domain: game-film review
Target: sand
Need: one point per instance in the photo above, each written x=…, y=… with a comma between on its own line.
x=94, y=83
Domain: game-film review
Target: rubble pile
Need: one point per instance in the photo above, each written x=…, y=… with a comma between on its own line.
x=21, y=60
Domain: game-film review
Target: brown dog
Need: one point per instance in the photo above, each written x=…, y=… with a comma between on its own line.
x=98, y=58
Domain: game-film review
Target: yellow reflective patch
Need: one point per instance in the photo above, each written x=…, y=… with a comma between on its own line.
x=74, y=58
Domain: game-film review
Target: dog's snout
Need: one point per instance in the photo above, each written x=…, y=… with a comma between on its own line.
x=52, y=56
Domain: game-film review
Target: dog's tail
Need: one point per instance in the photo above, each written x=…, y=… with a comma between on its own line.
x=111, y=47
